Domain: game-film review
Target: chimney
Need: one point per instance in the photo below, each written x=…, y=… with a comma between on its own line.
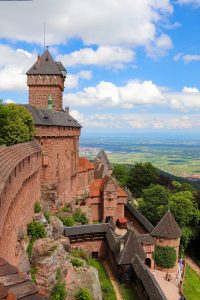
x=67, y=109
x=121, y=245
x=38, y=59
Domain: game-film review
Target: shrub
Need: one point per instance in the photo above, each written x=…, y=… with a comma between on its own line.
x=67, y=221
x=84, y=294
x=36, y=231
x=59, y=291
x=47, y=216
x=37, y=207
x=165, y=257
x=66, y=208
x=77, y=262
x=80, y=217
x=33, y=272
x=80, y=253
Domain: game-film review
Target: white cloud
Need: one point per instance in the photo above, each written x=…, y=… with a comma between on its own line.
x=135, y=121
x=72, y=80
x=8, y=101
x=160, y=46
x=110, y=23
x=187, y=58
x=109, y=95
x=192, y=2
x=104, y=56
x=135, y=94
x=13, y=65
x=190, y=90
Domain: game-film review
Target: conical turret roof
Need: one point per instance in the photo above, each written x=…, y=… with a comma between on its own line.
x=45, y=65
x=167, y=228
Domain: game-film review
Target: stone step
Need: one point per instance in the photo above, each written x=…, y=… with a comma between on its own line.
x=7, y=269
x=33, y=297
x=23, y=289
x=13, y=279
x=3, y=291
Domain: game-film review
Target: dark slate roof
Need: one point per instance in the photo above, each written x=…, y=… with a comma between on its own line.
x=131, y=247
x=146, y=239
x=47, y=117
x=103, y=157
x=86, y=229
x=113, y=241
x=15, y=283
x=167, y=228
x=45, y=65
x=149, y=282
x=143, y=221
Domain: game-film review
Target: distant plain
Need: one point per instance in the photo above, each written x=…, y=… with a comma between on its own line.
x=176, y=155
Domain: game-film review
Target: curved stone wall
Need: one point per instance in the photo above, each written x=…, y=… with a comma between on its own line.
x=19, y=190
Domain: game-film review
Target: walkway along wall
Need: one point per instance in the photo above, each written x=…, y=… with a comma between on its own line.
x=19, y=190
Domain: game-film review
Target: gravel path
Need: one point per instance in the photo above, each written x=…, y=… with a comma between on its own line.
x=113, y=281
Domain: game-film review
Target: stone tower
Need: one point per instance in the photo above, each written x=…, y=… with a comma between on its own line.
x=56, y=131
x=45, y=80
x=168, y=233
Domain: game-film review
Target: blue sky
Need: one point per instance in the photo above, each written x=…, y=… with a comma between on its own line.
x=132, y=65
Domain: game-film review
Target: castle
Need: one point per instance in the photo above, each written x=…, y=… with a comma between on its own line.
x=49, y=169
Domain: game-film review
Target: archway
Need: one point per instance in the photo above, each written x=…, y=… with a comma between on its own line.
x=148, y=262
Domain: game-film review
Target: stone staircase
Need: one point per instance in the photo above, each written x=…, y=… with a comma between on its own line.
x=15, y=285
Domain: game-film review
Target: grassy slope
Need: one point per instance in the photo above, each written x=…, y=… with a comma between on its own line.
x=127, y=292
x=106, y=285
x=191, y=286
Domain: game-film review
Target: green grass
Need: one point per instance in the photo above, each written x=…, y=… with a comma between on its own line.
x=108, y=292
x=191, y=285
x=128, y=292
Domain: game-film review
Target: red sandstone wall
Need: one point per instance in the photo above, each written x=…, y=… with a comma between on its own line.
x=60, y=151
x=18, y=194
x=41, y=86
x=92, y=246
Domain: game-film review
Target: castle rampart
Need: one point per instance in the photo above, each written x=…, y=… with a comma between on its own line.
x=19, y=190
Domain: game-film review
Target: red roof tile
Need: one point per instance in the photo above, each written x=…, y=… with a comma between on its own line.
x=85, y=165
x=98, y=185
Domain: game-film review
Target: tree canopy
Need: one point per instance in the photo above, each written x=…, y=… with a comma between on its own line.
x=141, y=176
x=154, y=202
x=16, y=124
x=121, y=173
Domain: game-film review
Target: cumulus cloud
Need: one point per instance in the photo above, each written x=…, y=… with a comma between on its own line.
x=135, y=94
x=186, y=2
x=13, y=65
x=104, y=56
x=110, y=23
x=139, y=121
x=109, y=95
x=160, y=46
x=187, y=58
x=72, y=80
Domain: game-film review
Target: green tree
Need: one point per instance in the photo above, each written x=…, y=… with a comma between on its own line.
x=141, y=176
x=16, y=124
x=181, y=187
x=185, y=210
x=121, y=173
x=165, y=257
x=154, y=202
x=84, y=294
